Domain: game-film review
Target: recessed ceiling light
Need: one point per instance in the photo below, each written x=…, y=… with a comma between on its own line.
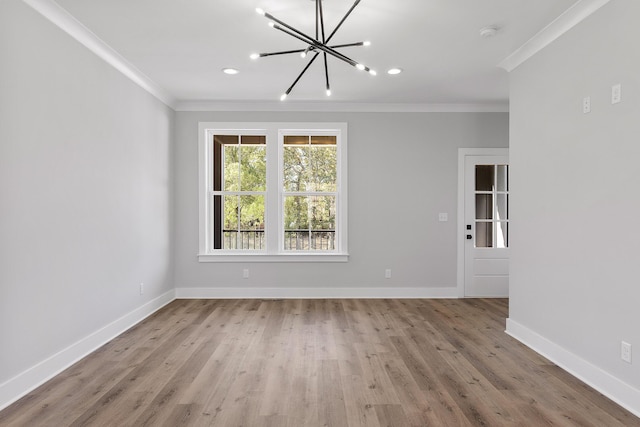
x=230, y=71
x=394, y=71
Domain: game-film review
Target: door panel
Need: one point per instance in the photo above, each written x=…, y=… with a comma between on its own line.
x=486, y=216
x=484, y=267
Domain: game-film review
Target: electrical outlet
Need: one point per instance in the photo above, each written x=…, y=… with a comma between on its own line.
x=141, y=288
x=586, y=104
x=625, y=351
x=245, y=273
x=616, y=93
x=443, y=217
x=387, y=273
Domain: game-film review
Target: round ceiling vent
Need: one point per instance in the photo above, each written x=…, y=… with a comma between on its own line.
x=489, y=31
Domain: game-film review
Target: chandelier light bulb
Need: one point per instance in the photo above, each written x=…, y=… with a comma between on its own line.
x=360, y=67
x=303, y=55
x=272, y=24
x=283, y=97
x=367, y=43
x=328, y=92
x=260, y=11
x=373, y=72
x=254, y=56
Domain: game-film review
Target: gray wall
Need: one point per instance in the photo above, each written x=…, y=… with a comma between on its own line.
x=85, y=206
x=402, y=173
x=575, y=180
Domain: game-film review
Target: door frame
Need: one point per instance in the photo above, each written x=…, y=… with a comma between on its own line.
x=463, y=153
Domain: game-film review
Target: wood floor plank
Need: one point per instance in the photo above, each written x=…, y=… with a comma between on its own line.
x=391, y=416
x=331, y=407
x=360, y=411
x=317, y=363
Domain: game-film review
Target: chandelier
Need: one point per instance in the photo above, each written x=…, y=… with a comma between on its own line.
x=314, y=45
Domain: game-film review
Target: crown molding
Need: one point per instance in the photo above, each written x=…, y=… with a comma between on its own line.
x=69, y=24
x=336, y=107
x=569, y=19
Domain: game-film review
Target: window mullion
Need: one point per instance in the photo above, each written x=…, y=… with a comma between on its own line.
x=273, y=194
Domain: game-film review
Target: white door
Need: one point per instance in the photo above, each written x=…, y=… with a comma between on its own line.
x=486, y=226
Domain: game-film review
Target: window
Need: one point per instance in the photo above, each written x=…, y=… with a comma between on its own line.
x=492, y=206
x=239, y=184
x=273, y=192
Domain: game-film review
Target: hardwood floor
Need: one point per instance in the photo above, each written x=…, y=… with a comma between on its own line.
x=317, y=363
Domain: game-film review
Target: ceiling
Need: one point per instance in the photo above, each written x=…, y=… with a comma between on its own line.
x=182, y=46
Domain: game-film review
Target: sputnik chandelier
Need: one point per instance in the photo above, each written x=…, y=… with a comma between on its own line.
x=316, y=45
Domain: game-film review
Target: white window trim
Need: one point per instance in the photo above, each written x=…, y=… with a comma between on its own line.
x=274, y=251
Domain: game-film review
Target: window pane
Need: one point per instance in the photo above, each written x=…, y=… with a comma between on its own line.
x=322, y=213
x=323, y=168
x=253, y=168
x=230, y=212
x=296, y=168
x=251, y=231
x=296, y=213
x=484, y=235
x=296, y=223
x=296, y=140
x=218, y=216
x=243, y=222
x=484, y=177
x=502, y=238
x=484, y=206
x=231, y=168
x=253, y=139
x=503, y=177
x=502, y=202
x=225, y=139
x=219, y=142
x=322, y=241
x=230, y=222
x=296, y=240
x=323, y=140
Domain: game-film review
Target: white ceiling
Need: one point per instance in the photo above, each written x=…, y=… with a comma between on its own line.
x=183, y=45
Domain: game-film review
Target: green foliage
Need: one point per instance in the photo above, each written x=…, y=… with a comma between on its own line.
x=306, y=168
x=245, y=169
x=310, y=168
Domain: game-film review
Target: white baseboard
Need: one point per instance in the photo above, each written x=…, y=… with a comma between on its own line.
x=615, y=389
x=23, y=383
x=319, y=293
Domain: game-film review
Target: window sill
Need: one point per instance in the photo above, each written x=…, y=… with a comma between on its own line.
x=253, y=257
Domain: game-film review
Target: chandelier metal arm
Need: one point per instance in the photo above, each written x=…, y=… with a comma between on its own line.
x=326, y=66
x=306, y=38
x=342, y=21
x=301, y=74
x=338, y=46
x=317, y=13
x=319, y=8
x=282, y=52
x=309, y=48
x=326, y=74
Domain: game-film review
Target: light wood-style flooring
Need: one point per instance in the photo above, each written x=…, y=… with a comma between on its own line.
x=314, y=363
